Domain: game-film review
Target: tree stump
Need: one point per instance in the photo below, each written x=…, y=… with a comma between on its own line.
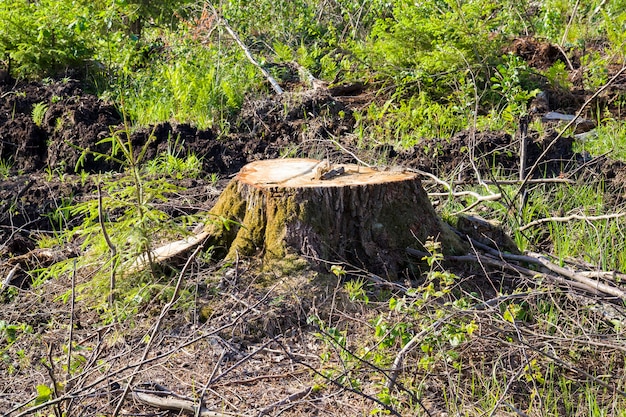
x=304, y=208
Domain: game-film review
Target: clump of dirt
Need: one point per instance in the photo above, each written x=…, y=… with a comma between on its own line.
x=269, y=126
x=537, y=54
x=75, y=123
x=48, y=125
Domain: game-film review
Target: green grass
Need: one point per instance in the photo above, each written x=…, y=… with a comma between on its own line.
x=599, y=242
x=6, y=166
x=204, y=86
x=608, y=138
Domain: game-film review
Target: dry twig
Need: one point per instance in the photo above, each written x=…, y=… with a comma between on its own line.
x=479, y=198
x=84, y=390
x=166, y=400
x=572, y=217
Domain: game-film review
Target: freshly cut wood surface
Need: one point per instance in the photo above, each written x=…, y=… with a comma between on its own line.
x=308, y=173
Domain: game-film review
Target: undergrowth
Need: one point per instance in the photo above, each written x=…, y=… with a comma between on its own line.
x=517, y=353
x=123, y=223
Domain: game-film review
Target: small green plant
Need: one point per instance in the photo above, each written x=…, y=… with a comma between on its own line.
x=122, y=224
x=5, y=168
x=557, y=75
x=511, y=81
x=336, y=340
x=11, y=332
x=58, y=124
x=58, y=218
x=39, y=112
x=356, y=289
x=173, y=165
x=44, y=394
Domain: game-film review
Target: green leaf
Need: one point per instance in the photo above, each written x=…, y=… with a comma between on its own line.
x=44, y=393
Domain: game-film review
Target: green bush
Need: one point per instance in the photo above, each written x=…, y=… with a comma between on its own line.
x=46, y=37
x=425, y=45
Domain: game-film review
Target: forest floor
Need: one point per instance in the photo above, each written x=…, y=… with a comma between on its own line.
x=245, y=330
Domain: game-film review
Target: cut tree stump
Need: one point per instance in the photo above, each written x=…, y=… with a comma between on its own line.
x=287, y=209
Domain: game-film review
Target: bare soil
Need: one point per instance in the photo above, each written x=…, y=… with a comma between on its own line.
x=245, y=331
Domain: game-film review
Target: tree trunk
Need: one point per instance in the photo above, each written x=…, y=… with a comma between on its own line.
x=301, y=208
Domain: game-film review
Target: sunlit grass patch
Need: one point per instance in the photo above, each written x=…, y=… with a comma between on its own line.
x=202, y=86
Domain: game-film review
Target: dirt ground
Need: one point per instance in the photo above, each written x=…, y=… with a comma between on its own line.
x=244, y=331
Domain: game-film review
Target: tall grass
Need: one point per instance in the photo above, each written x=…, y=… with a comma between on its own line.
x=203, y=86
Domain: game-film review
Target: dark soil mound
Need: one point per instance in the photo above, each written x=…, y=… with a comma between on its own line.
x=42, y=157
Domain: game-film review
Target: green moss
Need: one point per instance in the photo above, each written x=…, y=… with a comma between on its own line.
x=288, y=266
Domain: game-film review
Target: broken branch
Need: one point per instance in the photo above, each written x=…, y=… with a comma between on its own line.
x=572, y=217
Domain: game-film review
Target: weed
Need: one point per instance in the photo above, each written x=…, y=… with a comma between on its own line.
x=39, y=112
x=557, y=75
x=6, y=166
x=173, y=165
x=356, y=290
x=509, y=81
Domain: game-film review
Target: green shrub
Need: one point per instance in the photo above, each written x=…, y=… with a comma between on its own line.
x=44, y=37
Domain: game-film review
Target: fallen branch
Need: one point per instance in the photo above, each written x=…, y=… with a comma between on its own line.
x=532, y=181
x=563, y=276
x=580, y=280
x=167, y=251
x=572, y=217
x=490, y=260
x=479, y=197
x=432, y=177
x=7, y=281
x=604, y=288
x=165, y=400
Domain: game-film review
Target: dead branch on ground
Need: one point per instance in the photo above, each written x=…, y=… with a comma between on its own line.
x=572, y=217
x=164, y=399
x=564, y=276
